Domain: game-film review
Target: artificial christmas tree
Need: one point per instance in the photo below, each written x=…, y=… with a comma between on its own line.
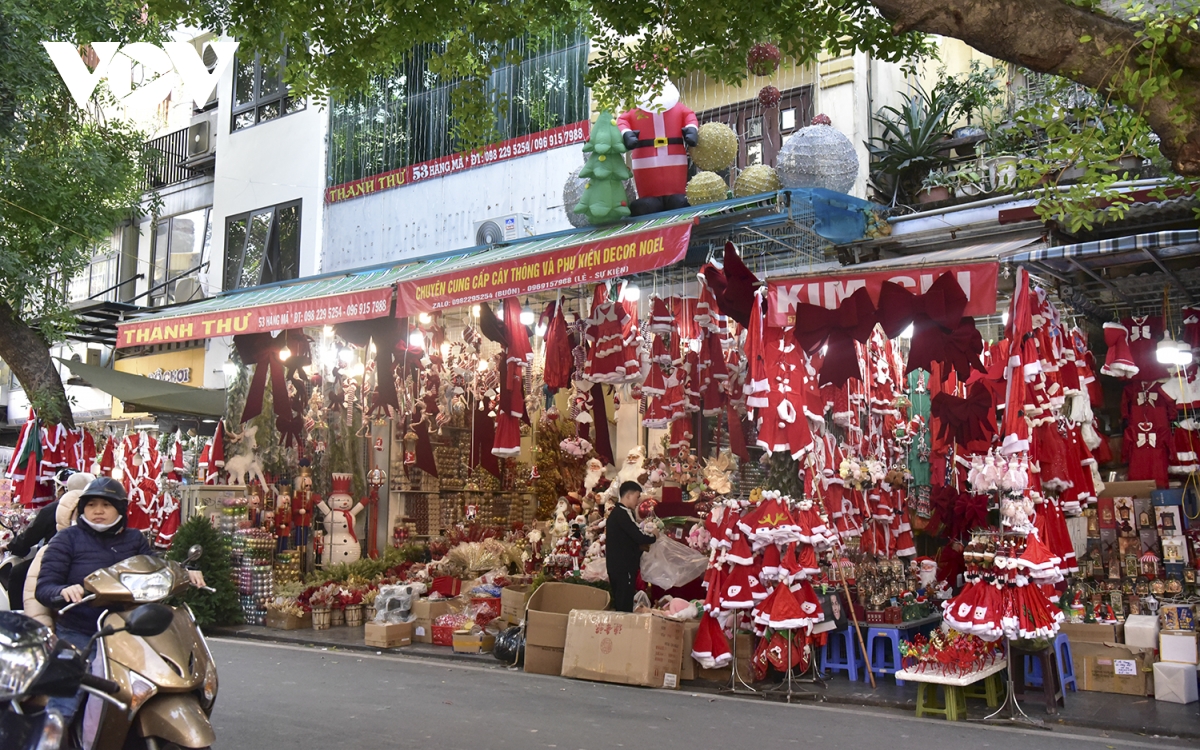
x=218, y=607
x=604, y=200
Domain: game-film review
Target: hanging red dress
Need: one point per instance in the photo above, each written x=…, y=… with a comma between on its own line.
x=1144, y=334
x=556, y=373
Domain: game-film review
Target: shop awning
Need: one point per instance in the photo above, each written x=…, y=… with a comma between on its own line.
x=1129, y=243
x=975, y=266
x=139, y=393
x=322, y=301
x=540, y=265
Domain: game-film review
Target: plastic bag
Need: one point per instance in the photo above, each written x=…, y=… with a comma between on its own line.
x=394, y=603
x=669, y=564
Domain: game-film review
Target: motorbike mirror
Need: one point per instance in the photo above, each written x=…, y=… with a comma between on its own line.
x=194, y=553
x=149, y=619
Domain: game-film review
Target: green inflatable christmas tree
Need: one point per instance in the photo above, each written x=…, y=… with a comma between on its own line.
x=604, y=200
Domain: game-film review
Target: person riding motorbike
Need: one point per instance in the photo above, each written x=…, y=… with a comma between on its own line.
x=98, y=539
x=41, y=531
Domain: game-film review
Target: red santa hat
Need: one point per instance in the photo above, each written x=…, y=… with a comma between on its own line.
x=177, y=456
x=713, y=581
x=772, y=563
x=661, y=320
x=741, y=588
x=739, y=552
x=711, y=647
x=785, y=613
x=107, y=461
x=216, y=456
x=809, y=604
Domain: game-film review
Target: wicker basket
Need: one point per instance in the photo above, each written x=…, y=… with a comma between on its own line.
x=321, y=618
x=354, y=616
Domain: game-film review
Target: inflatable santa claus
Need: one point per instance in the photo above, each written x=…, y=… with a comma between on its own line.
x=658, y=133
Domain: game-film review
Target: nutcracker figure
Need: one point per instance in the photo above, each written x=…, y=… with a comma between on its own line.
x=657, y=133
x=283, y=523
x=303, y=500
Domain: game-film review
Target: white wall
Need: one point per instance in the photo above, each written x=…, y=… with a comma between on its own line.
x=264, y=165
x=438, y=216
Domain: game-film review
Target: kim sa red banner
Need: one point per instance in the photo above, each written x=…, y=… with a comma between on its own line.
x=586, y=263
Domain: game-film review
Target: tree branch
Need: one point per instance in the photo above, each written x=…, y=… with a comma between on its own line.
x=1044, y=36
x=26, y=352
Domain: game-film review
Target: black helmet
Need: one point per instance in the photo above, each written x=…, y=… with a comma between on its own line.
x=105, y=488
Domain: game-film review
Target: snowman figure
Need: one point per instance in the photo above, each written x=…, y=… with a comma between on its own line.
x=340, y=511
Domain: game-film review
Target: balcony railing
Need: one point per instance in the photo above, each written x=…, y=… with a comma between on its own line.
x=165, y=157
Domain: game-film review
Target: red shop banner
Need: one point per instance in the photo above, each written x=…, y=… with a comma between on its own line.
x=571, y=266
x=978, y=282
x=513, y=148
x=280, y=316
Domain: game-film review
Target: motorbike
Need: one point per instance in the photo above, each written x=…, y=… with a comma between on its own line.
x=35, y=665
x=167, y=681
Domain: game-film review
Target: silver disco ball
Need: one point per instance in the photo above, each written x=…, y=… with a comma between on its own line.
x=818, y=156
x=573, y=191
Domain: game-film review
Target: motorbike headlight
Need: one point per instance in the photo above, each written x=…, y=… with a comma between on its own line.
x=148, y=587
x=25, y=647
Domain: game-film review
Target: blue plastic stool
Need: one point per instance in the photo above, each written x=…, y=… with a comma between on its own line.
x=1066, y=668
x=883, y=644
x=840, y=653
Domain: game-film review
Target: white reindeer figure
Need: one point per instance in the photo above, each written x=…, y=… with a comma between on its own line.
x=245, y=465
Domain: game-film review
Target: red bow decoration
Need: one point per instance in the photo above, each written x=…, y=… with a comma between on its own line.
x=262, y=350
x=970, y=420
x=838, y=330
x=732, y=286
x=385, y=332
x=970, y=512
x=941, y=333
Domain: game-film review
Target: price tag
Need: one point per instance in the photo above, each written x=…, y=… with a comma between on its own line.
x=1127, y=667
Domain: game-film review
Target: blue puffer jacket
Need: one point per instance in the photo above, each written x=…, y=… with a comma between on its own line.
x=74, y=554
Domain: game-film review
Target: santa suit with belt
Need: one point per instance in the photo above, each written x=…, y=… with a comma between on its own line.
x=660, y=158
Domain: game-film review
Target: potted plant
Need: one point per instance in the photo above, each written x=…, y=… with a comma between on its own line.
x=353, y=607
x=977, y=91
x=936, y=186
x=968, y=181
x=1007, y=141
x=910, y=145
x=320, y=602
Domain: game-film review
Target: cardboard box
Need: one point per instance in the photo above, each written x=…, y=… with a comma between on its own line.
x=281, y=621
x=543, y=660
x=1178, y=647
x=1175, y=683
x=1081, y=632
x=688, y=666
x=512, y=603
x=1129, y=489
x=389, y=635
x=466, y=642
x=1177, y=617
x=623, y=648
x=1112, y=668
x=425, y=611
x=1141, y=631
x=745, y=651
x=549, y=607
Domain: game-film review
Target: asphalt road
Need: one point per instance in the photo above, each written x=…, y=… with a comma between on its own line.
x=297, y=698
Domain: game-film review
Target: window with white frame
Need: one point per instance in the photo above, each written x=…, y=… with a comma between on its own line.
x=179, y=249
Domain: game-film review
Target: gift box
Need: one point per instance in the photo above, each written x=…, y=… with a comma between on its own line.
x=1141, y=631
x=1177, y=617
x=443, y=635
x=1175, y=683
x=893, y=616
x=874, y=617
x=1167, y=497
x=1178, y=647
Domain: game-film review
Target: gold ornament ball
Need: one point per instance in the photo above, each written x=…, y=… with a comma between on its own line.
x=717, y=148
x=756, y=179
x=706, y=187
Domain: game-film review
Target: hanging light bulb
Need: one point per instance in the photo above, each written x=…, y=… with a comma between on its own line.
x=1167, y=352
x=285, y=354
x=631, y=292
x=417, y=339
x=500, y=312
x=907, y=333
x=541, y=329
x=475, y=311
x=483, y=365
x=230, y=369
x=1183, y=356
x=425, y=318
x=345, y=355
x=445, y=349
x=527, y=317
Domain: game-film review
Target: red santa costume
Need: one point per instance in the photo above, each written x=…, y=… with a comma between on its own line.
x=1118, y=363
x=609, y=359
x=511, y=405
x=658, y=133
x=1144, y=335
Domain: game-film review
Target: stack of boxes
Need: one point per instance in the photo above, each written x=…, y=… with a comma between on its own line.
x=1175, y=673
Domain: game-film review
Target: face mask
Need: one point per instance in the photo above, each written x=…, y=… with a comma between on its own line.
x=100, y=527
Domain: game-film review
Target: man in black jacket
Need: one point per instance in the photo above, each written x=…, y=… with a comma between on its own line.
x=623, y=546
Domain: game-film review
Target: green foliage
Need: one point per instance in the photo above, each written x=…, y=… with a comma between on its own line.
x=910, y=147
x=220, y=607
x=977, y=91
x=365, y=568
x=604, y=199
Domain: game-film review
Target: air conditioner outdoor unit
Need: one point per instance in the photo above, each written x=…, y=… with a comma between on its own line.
x=202, y=139
x=505, y=228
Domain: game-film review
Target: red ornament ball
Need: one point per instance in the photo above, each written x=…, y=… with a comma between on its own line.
x=821, y=119
x=645, y=508
x=769, y=97
x=763, y=59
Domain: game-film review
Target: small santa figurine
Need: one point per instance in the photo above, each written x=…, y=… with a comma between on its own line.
x=658, y=133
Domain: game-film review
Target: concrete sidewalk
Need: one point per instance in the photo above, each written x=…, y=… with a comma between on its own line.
x=1099, y=711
